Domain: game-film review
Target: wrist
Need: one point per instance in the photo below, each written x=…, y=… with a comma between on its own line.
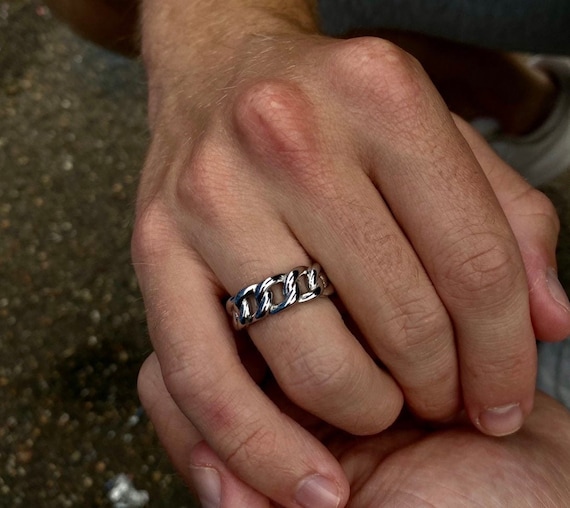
x=197, y=43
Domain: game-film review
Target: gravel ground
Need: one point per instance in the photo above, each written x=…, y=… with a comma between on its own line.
x=72, y=324
x=72, y=327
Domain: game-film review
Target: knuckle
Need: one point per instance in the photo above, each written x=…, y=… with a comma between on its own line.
x=183, y=372
x=243, y=436
x=180, y=371
x=311, y=377
x=382, y=71
x=205, y=187
x=151, y=233
x=276, y=121
x=190, y=383
x=543, y=207
x=146, y=386
x=510, y=366
x=419, y=331
x=490, y=268
x=415, y=327
x=249, y=444
x=381, y=248
x=369, y=54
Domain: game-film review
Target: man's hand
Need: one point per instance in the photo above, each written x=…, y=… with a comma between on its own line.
x=273, y=146
x=458, y=468
x=408, y=465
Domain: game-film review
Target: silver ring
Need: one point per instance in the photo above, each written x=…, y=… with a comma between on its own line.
x=277, y=293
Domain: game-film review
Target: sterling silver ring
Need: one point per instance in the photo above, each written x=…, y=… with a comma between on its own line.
x=277, y=293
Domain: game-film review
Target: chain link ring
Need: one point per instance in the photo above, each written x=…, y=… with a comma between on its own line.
x=277, y=293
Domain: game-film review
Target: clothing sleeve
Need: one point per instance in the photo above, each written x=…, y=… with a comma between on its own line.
x=534, y=26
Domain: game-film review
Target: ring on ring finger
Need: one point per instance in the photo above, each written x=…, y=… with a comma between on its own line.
x=277, y=293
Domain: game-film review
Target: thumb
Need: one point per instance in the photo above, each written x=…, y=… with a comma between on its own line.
x=199, y=466
x=535, y=224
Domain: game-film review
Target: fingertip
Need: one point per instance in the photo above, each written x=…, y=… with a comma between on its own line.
x=149, y=383
x=500, y=421
x=556, y=290
x=317, y=491
x=208, y=485
x=216, y=486
x=502, y=418
x=549, y=306
x=560, y=307
x=500, y=403
x=548, y=301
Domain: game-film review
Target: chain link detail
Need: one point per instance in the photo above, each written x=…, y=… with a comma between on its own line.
x=277, y=293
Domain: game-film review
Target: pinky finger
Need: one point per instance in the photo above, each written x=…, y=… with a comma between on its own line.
x=199, y=466
x=535, y=224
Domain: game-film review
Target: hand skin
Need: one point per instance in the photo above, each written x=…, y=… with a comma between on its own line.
x=409, y=465
x=362, y=481
x=273, y=145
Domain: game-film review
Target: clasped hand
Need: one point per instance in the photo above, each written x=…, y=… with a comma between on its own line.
x=308, y=149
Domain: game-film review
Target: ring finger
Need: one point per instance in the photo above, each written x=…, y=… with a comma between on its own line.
x=314, y=357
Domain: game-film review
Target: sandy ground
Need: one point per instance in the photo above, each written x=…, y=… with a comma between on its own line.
x=72, y=325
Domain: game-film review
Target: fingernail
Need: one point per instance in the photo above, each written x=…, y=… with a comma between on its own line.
x=501, y=421
x=317, y=492
x=208, y=486
x=556, y=289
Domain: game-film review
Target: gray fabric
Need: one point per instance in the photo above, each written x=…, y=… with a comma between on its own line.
x=554, y=370
x=536, y=26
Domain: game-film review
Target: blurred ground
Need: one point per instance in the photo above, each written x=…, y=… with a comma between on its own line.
x=72, y=327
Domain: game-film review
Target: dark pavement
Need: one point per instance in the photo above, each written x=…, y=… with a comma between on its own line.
x=72, y=324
